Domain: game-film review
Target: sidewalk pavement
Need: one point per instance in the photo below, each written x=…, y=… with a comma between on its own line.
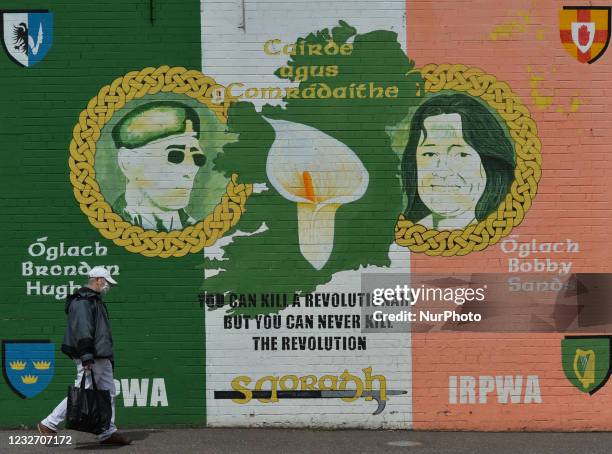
x=304, y=441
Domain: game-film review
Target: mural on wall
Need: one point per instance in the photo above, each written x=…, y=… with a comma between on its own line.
x=27, y=36
x=331, y=170
x=28, y=365
x=585, y=31
x=147, y=167
x=319, y=143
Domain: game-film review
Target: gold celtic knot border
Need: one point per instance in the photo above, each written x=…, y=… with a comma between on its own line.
x=527, y=172
x=86, y=133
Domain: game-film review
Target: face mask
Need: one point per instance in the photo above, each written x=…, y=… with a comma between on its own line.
x=105, y=288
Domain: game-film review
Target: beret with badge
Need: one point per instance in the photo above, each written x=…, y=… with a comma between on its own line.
x=154, y=121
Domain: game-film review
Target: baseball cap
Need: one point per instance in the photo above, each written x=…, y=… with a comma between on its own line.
x=100, y=271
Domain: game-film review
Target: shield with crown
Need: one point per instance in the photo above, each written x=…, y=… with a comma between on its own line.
x=585, y=31
x=27, y=365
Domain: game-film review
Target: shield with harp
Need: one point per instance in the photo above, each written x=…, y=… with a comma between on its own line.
x=586, y=361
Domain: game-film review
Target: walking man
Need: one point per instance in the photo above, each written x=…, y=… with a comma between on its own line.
x=89, y=342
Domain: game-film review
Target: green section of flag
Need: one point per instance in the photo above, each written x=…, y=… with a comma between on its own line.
x=586, y=361
x=157, y=323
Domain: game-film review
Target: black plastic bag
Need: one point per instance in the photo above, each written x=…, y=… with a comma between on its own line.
x=89, y=410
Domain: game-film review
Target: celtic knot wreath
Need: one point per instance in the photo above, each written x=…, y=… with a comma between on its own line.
x=527, y=173
x=86, y=132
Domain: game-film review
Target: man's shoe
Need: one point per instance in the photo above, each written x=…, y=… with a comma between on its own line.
x=44, y=430
x=116, y=439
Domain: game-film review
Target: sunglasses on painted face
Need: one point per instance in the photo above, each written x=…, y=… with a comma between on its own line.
x=176, y=155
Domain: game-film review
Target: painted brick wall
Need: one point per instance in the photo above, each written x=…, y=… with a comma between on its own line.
x=92, y=45
x=266, y=155
x=245, y=59
x=519, y=43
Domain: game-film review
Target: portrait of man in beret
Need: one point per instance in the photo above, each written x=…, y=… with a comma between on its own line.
x=159, y=154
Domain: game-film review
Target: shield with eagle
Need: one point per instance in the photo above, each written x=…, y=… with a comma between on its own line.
x=27, y=35
x=585, y=31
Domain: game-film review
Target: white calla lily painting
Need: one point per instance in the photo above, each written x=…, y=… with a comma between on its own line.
x=318, y=173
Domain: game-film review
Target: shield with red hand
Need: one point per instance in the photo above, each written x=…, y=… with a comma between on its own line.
x=585, y=31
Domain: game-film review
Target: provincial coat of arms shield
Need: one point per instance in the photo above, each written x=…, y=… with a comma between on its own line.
x=27, y=365
x=27, y=35
x=585, y=31
x=586, y=361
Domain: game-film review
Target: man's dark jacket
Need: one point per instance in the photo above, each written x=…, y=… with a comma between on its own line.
x=88, y=333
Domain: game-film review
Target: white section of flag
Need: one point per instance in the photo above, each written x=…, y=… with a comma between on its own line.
x=234, y=32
